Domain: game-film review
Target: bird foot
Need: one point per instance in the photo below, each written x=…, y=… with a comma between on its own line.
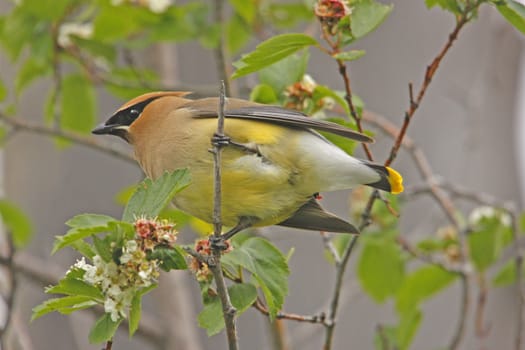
x=218, y=243
x=220, y=140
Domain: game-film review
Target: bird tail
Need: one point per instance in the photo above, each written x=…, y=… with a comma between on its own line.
x=391, y=181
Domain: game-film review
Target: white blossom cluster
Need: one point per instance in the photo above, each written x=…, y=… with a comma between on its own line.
x=489, y=212
x=119, y=283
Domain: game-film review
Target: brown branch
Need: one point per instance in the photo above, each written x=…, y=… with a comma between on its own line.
x=214, y=262
x=7, y=261
x=219, y=51
x=109, y=345
x=24, y=125
x=259, y=306
x=429, y=75
x=481, y=329
x=465, y=304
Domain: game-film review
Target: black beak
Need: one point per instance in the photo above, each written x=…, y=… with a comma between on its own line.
x=102, y=129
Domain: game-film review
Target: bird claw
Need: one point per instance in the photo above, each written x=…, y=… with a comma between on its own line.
x=218, y=243
x=220, y=140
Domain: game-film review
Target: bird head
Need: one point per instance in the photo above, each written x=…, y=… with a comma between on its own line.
x=118, y=124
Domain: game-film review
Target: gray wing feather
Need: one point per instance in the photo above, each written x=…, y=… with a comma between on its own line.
x=286, y=117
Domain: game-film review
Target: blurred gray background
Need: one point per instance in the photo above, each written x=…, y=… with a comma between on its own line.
x=465, y=126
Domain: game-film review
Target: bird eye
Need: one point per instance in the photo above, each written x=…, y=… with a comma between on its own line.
x=134, y=112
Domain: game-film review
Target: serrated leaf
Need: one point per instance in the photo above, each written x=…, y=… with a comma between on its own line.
x=242, y=296
x=74, y=286
x=448, y=5
x=89, y=221
x=366, y=16
x=152, y=196
x=64, y=305
x=349, y=55
x=267, y=265
x=78, y=104
x=104, y=329
x=506, y=275
x=83, y=226
x=285, y=72
x=420, y=285
x=169, y=258
x=271, y=51
x=513, y=12
x=16, y=222
x=381, y=268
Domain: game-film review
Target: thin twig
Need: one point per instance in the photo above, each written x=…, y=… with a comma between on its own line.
x=109, y=345
x=465, y=304
x=220, y=56
x=7, y=261
x=481, y=329
x=214, y=262
x=258, y=305
x=329, y=245
x=77, y=138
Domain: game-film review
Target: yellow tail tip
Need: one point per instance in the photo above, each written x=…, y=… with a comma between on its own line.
x=396, y=181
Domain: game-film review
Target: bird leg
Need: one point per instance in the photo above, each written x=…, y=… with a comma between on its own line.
x=218, y=242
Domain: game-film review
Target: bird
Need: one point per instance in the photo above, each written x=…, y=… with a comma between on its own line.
x=273, y=168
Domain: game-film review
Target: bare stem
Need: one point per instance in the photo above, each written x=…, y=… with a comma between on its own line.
x=214, y=262
x=220, y=56
x=22, y=125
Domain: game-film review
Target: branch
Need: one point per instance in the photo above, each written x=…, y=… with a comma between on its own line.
x=23, y=125
x=258, y=305
x=214, y=262
x=220, y=57
x=10, y=297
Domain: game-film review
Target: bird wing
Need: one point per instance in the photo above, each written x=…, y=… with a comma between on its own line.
x=284, y=117
x=311, y=216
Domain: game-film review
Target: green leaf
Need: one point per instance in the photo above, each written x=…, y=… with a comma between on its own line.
x=89, y=221
x=506, y=275
x=31, y=69
x=285, y=72
x=237, y=34
x=135, y=311
x=267, y=265
x=271, y=51
x=288, y=15
x=41, y=9
x=366, y=16
x=381, y=268
x=486, y=241
x=64, y=305
x=16, y=222
x=263, y=93
x=514, y=13
x=75, y=286
x=104, y=329
x=169, y=258
x=344, y=143
x=349, y=55
x=152, y=196
x=246, y=9
x=3, y=95
x=407, y=328
x=78, y=104
x=242, y=296
x=83, y=226
x=420, y=285
x=448, y=5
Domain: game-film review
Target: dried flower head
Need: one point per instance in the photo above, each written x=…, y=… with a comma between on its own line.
x=330, y=12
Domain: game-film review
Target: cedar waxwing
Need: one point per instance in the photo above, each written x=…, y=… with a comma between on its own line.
x=272, y=170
